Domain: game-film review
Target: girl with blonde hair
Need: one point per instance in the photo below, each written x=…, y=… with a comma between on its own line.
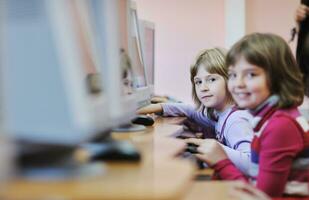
x=215, y=107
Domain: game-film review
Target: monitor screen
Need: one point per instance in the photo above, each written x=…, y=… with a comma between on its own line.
x=112, y=32
x=141, y=86
x=2, y=40
x=136, y=52
x=83, y=20
x=148, y=45
x=85, y=30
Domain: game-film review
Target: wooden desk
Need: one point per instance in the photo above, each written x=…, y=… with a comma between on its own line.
x=170, y=120
x=155, y=177
x=210, y=190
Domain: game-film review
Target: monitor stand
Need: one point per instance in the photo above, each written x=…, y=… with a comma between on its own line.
x=51, y=161
x=113, y=150
x=108, y=149
x=129, y=128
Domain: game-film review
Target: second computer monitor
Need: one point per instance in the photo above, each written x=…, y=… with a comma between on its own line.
x=143, y=90
x=112, y=33
x=147, y=30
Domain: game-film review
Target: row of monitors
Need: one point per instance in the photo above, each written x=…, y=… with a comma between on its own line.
x=49, y=48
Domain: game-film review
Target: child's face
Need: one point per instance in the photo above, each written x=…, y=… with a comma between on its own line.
x=248, y=84
x=127, y=84
x=210, y=89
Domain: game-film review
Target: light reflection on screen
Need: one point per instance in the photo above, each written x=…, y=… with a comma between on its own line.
x=139, y=79
x=149, y=38
x=84, y=23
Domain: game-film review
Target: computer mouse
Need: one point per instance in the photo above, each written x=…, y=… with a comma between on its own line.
x=190, y=155
x=113, y=151
x=143, y=120
x=192, y=148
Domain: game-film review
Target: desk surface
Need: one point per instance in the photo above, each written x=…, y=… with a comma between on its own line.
x=158, y=176
x=214, y=190
x=154, y=177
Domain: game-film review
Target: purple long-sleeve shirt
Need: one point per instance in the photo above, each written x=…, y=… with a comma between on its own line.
x=237, y=133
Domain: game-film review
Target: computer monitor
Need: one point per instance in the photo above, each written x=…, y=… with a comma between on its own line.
x=147, y=30
x=45, y=95
x=6, y=149
x=48, y=109
x=2, y=40
x=140, y=80
x=112, y=36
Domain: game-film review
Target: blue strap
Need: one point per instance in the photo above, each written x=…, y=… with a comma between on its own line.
x=221, y=136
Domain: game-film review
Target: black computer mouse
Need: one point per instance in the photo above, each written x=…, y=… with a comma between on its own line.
x=143, y=120
x=192, y=148
x=113, y=151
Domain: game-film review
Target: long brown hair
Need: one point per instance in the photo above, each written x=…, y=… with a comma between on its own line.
x=272, y=53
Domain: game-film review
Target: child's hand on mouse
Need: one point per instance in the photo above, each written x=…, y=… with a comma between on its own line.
x=210, y=150
x=196, y=141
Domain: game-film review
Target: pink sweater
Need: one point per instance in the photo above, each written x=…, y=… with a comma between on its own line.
x=280, y=143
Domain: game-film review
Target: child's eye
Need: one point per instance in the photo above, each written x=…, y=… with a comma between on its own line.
x=232, y=75
x=211, y=80
x=197, y=82
x=251, y=75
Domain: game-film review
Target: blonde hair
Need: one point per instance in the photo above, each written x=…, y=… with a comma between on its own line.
x=272, y=53
x=213, y=61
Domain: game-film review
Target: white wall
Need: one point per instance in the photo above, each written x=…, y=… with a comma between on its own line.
x=235, y=23
x=275, y=16
x=183, y=27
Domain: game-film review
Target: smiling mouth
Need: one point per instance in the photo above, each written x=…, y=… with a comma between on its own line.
x=208, y=96
x=242, y=95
